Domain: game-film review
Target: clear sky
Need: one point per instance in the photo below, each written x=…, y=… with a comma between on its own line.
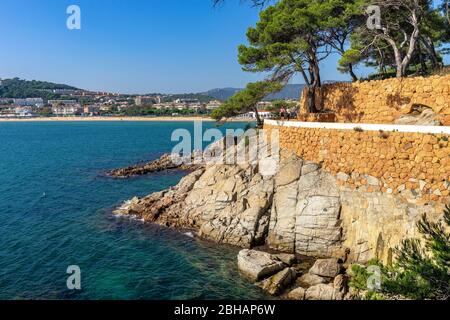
x=130, y=46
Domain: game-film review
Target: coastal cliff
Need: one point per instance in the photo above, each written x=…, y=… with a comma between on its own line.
x=298, y=209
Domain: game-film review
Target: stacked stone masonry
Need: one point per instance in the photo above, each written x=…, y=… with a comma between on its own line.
x=415, y=166
x=385, y=101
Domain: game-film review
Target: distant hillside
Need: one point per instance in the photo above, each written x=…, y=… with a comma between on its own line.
x=221, y=94
x=18, y=88
x=198, y=96
x=291, y=91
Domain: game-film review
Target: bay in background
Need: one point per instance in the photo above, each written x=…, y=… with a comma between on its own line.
x=55, y=211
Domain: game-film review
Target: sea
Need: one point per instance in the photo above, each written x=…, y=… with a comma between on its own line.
x=56, y=214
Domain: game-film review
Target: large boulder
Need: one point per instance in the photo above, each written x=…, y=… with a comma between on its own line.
x=323, y=292
x=290, y=171
x=309, y=280
x=257, y=265
x=277, y=283
x=287, y=258
x=329, y=268
x=297, y=294
x=341, y=283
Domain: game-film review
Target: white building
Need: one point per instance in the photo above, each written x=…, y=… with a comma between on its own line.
x=29, y=102
x=23, y=112
x=263, y=114
x=212, y=105
x=67, y=110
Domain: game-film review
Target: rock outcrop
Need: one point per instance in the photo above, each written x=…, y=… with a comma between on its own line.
x=308, y=280
x=278, y=282
x=290, y=205
x=257, y=265
x=328, y=268
x=294, y=282
x=323, y=292
x=163, y=163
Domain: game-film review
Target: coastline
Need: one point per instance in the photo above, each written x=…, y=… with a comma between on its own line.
x=118, y=119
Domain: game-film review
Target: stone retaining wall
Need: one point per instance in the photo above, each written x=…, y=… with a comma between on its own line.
x=385, y=101
x=415, y=166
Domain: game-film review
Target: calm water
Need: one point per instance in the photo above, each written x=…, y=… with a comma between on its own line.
x=55, y=211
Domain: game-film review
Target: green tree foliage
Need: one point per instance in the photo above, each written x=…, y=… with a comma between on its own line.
x=294, y=36
x=286, y=41
x=246, y=100
x=17, y=88
x=406, y=41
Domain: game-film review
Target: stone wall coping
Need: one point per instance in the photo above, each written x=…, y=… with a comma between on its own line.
x=363, y=126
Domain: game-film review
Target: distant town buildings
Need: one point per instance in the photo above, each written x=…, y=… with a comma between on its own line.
x=212, y=105
x=147, y=100
x=55, y=103
x=29, y=102
x=186, y=101
x=5, y=101
x=81, y=102
x=23, y=112
x=91, y=110
x=67, y=110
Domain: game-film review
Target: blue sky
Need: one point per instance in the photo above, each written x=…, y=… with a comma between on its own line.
x=130, y=46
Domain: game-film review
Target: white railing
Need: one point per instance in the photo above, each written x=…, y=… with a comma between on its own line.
x=363, y=126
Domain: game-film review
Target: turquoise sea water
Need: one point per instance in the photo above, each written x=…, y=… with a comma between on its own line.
x=55, y=211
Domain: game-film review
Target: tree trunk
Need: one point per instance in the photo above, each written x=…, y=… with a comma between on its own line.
x=352, y=74
x=259, y=121
x=312, y=99
x=429, y=47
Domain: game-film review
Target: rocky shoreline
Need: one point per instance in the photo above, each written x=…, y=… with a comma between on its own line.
x=164, y=163
x=298, y=210
x=285, y=276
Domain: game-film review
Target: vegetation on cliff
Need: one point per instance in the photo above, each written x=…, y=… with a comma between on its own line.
x=422, y=268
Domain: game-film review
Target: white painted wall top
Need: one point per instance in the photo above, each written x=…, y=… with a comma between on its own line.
x=363, y=126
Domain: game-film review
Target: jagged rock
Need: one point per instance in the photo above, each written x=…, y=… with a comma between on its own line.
x=323, y=292
x=289, y=172
x=165, y=162
x=277, y=283
x=283, y=216
x=288, y=259
x=340, y=283
x=308, y=280
x=298, y=209
x=329, y=268
x=257, y=265
x=309, y=167
x=318, y=229
x=297, y=294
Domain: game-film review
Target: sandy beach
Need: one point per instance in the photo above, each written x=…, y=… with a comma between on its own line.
x=141, y=119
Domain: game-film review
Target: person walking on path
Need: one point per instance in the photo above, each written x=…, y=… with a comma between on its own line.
x=282, y=113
